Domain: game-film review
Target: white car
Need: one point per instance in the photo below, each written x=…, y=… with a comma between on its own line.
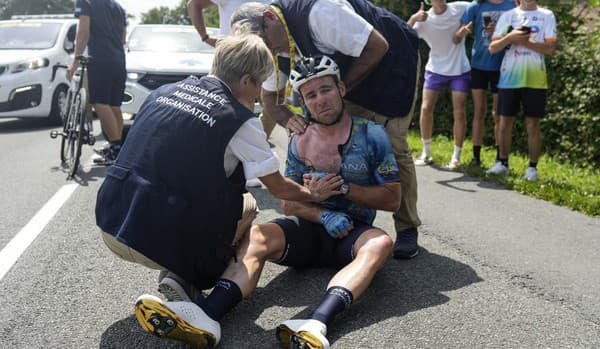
x=158, y=54
x=30, y=47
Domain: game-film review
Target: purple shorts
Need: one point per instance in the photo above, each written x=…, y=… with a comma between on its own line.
x=436, y=82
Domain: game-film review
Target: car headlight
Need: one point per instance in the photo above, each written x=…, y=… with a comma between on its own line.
x=134, y=76
x=35, y=63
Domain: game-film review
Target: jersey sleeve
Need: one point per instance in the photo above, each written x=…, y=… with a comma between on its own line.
x=502, y=25
x=294, y=168
x=82, y=8
x=383, y=161
x=550, y=29
x=469, y=14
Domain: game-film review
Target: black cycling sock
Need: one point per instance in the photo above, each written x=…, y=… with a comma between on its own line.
x=224, y=297
x=477, y=152
x=504, y=162
x=497, y=153
x=533, y=164
x=335, y=301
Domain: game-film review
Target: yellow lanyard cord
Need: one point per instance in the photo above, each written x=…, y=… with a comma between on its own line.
x=288, y=87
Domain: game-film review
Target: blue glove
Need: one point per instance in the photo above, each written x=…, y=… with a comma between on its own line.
x=334, y=222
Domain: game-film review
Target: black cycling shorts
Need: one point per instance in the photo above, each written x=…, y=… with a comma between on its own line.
x=481, y=79
x=308, y=245
x=106, y=83
x=532, y=99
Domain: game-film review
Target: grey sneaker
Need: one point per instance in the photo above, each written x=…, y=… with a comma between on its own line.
x=175, y=289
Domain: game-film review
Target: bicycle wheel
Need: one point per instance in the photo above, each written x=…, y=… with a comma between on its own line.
x=67, y=122
x=74, y=135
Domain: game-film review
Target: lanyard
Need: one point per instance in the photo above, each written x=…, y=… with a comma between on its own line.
x=288, y=87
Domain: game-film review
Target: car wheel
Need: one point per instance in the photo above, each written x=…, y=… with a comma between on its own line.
x=59, y=110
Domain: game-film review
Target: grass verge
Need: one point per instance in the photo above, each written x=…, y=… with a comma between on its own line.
x=562, y=184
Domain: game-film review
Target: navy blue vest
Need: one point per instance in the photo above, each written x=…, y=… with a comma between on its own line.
x=389, y=89
x=167, y=196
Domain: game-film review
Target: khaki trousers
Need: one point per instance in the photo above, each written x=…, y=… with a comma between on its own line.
x=249, y=212
x=397, y=130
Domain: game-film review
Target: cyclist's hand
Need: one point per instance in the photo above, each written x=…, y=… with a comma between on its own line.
x=296, y=124
x=71, y=71
x=337, y=224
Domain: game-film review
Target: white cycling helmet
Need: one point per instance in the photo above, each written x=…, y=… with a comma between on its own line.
x=312, y=67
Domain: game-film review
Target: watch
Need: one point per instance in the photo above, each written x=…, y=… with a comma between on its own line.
x=345, y=188
x=205, y=38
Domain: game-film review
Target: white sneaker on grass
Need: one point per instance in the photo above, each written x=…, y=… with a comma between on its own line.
x=497, y=169
x=531, y=174
x=423, y=159
x=304, y=333
x=183, y=321
x=453, y=164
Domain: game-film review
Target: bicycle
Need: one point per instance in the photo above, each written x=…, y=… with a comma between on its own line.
x=77, y=126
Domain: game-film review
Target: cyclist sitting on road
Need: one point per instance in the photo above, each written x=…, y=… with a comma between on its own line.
x=174, y=199
x=337, y=233
x=102, y=26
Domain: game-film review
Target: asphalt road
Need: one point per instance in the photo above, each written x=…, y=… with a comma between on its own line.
x=497, y=270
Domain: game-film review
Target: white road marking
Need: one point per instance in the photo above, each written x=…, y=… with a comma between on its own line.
x=15, y=248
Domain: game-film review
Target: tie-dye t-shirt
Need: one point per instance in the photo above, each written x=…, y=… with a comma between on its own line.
x=522, y=67
x=367, y=159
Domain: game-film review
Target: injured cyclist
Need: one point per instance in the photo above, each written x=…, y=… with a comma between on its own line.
x=174, y=199
x=337, y=233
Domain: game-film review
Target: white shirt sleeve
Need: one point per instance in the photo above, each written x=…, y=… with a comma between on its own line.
x=271, y=83
x=336, y=27
x=249, y=145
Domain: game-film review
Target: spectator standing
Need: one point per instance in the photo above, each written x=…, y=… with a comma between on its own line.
x=529, y=33
x=378, y=57
x=485, y=67
x=102, y=29
x=447, y=65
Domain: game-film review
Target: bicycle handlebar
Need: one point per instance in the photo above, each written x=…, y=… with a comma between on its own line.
x=83, y=60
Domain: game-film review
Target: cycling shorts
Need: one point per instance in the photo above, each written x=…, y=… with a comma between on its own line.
x=106, y=82
x=308, y=245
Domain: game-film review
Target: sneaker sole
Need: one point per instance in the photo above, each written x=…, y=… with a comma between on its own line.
x=290, y=339
x=406, y=256
x=173, y=291
x=160, y=321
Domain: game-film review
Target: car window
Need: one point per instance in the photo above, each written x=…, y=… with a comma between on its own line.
x=167, y=39
x=28, y=35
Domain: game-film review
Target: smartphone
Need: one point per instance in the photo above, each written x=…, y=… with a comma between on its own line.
x=526, y=29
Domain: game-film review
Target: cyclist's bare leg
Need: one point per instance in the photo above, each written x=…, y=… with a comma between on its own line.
x=119, y=116
x=112, y=123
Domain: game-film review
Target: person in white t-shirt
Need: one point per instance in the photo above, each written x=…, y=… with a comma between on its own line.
x=226, y=8
x=529, y=33
x=447, y=65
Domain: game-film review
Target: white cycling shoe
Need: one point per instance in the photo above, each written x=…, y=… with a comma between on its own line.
x=302, y=334
x=183, y=321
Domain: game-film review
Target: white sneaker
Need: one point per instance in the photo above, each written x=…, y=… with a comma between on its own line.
x=531, y=174
x=253, y=183
x=183, y=321
x=453, y=164
x=307, y=333
x=497, y=169
x=423, y=159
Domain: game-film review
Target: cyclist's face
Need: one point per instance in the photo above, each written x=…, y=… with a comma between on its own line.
x=323, y=98
x=273, y=33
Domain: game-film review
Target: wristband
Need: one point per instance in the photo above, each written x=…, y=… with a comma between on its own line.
x=205, y=38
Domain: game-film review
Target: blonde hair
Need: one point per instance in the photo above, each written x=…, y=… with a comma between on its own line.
x=237, y=55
